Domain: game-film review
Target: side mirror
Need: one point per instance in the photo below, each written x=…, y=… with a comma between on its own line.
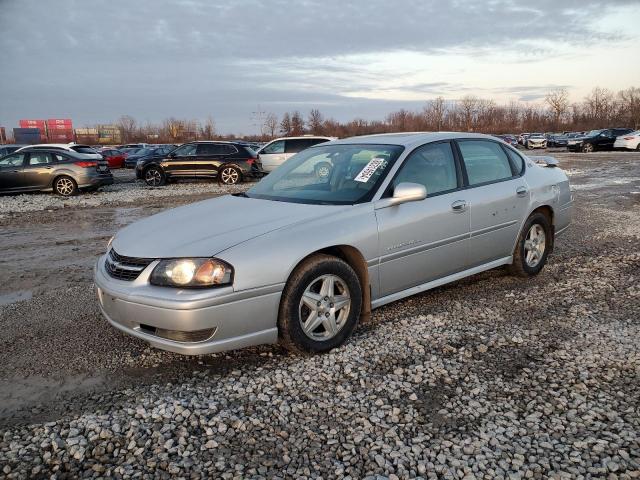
x=404, y=192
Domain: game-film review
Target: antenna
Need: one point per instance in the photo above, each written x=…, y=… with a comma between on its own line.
x=258, y=118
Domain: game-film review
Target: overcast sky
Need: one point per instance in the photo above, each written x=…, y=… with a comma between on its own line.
x=95, y=60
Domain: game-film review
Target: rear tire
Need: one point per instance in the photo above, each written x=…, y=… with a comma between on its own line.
x=65, y=186
x=320, y=305
x=533, y=247
x=154, y=177
x=229, y=175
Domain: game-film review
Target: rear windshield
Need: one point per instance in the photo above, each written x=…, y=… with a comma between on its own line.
x=81, y=149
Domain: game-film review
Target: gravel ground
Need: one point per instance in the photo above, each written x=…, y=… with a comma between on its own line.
x=490, y=377
x=125, y=190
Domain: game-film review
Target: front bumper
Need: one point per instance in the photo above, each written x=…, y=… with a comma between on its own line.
x=236, y=319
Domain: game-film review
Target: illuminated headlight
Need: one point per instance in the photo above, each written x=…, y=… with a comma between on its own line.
x=191, y=273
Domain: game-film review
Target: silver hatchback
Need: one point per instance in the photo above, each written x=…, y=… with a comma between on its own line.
x=301, y=257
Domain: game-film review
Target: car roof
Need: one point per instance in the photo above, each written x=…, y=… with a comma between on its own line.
x=409, y=139
x=304, y=137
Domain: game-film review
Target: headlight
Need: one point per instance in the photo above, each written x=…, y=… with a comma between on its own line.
x=110, y=242
x=192, y=273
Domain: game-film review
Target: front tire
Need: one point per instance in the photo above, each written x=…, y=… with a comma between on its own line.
x=154, y=177
x=533, y=246
x=587, y=148
x=320, y=305
x=65, y=186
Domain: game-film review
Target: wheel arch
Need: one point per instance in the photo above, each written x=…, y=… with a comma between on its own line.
x=547, y=211
x=354, y=258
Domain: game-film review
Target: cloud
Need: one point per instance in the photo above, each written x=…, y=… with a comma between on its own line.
x=154, y=58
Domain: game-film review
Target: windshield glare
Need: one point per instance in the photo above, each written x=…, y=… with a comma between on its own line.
x=329, y=175
x=593, y=133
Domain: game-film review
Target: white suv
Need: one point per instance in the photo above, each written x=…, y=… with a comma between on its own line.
x=274, y=153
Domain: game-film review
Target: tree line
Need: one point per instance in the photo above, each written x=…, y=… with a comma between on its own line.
x=601, y=108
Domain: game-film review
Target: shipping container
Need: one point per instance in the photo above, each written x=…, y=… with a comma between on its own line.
x=27, y=136
x=3, y=135
x=59, y=121
x=87, y=139
x=86, y=131
x=32, y=123
x=59, y=127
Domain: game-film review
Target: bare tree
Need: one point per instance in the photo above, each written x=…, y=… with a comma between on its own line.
x=315, y=122
x=434, y=112
x=558, y=102
x=270, y=126
x=208, y=130
x=599, y=105
x=468, y=105
x=285, y=125
x=629, y=101
x=297, y=124
x=128, y=128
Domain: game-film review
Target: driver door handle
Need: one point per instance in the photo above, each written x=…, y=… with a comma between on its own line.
x=459, y=206
x=521, y=191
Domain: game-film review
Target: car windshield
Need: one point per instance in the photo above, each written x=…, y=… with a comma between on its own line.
x=144, y=151
x=329, y=175
x=594, y=133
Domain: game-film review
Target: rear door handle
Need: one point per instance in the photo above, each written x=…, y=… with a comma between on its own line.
x=521, y=191
x=459, y=206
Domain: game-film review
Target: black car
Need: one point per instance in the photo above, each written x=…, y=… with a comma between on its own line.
x=7, y=149
x=597, y=140
x=557, y=140
x=229, y=162
x=146, y=154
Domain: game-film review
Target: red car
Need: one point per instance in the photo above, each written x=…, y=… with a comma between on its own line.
x=115, y=158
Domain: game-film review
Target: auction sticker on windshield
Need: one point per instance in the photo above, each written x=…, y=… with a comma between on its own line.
x=369, y=169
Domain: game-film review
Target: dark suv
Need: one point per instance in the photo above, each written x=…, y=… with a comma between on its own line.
x=229, y=162
x=63, y=171
x=596, y=140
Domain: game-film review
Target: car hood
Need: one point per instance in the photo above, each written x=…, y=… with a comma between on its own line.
x=207, y=228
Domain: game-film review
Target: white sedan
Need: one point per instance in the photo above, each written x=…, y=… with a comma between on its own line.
x=630, y=141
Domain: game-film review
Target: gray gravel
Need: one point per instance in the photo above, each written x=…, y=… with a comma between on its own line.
x=492, y=377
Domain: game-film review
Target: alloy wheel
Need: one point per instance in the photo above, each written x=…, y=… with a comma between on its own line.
x=64, y=186
x=153, y=177
x=230, y=176
x=324, y=307
x=534, y=245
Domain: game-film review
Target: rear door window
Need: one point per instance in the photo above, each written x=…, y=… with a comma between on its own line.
x=484, y=161
x=216, y=149
x=296, y=145
x=40, y=158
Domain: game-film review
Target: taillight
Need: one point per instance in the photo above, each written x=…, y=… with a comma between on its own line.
x=628, y=138
x=251, y=161
x=86, y=164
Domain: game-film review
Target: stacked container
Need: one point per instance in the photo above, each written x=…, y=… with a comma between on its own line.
x=3, y=135
x=27, y=136
x=87, y=135
x=41, y=125
x=60, y=130
x=109, y=134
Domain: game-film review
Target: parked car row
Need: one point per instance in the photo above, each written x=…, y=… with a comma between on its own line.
x=602, y=139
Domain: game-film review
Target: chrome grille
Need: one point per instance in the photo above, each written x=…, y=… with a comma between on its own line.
x=125, y=268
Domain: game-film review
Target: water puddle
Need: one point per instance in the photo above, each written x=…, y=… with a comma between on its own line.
x=13, y=297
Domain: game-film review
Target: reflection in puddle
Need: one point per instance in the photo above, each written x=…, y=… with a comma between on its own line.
x=13, y=297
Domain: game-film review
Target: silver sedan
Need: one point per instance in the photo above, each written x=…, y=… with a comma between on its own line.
x=302, y=257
